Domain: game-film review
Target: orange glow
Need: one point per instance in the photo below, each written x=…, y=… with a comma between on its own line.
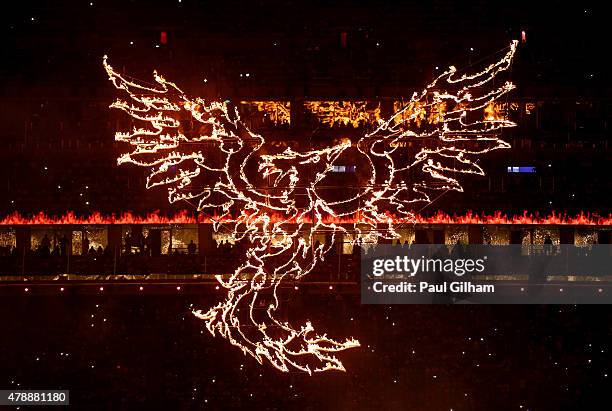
x=186, y=217
x=415, y=111
x=279, y=112
x=493, y=111
x=344, y=112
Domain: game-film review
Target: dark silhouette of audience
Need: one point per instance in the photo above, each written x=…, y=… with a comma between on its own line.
x=191, y=247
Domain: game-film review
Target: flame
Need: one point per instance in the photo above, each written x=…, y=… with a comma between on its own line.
x=187, y=217
x=182, y=217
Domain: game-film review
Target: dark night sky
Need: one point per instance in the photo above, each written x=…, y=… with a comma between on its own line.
x=63, y=41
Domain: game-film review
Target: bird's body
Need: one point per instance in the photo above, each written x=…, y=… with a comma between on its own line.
x=276, y=200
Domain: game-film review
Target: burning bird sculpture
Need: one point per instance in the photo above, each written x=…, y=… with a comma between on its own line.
x=201, y=151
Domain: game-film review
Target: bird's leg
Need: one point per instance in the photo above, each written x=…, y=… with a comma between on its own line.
x=302, y=348
x=225, y=318
x=250, y=322
x=236, y=318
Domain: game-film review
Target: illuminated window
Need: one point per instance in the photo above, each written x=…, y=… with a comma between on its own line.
x=522, y=169
x=344, y=169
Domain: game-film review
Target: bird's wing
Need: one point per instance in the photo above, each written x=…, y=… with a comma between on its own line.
x=186, y=143
x=434, y=138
